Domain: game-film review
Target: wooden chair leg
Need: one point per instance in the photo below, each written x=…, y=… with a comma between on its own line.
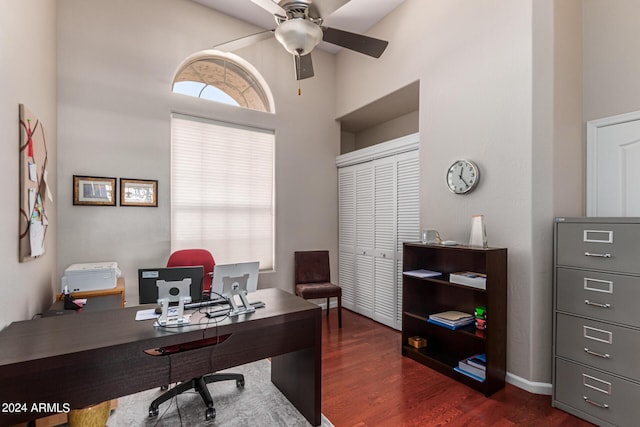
x=339, y=312
x=328, y=307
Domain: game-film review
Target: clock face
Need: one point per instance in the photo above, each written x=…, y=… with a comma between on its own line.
x=463, y=176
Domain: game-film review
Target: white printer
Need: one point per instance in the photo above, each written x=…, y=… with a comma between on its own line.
x=90, y=277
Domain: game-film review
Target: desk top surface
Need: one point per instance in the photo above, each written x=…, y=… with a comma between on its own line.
x=30, y=340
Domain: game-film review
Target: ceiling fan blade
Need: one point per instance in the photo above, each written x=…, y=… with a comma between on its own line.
x=304, y=66
x=271, y=7
x=358, y=42
x=324, y=8
x=244, y=41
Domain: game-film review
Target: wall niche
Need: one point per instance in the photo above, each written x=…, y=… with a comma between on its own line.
x=390, y=117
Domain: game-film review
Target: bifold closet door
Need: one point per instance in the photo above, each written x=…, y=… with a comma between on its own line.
x=408, y=216
x=384, y=219
x=379, y=209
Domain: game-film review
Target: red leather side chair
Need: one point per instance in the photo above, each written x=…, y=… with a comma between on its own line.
x=312, y=278
x=190, y=258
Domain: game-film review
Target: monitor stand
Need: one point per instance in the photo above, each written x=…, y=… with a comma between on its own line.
x=236, y=309
x=173, y=292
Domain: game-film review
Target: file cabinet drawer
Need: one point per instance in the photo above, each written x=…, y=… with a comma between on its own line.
x=600, y=246
x=606, y=397
x=601, y=345
x=605, y=296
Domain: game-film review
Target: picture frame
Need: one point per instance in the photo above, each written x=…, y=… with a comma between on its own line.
x=138, y=192
x=94, y=190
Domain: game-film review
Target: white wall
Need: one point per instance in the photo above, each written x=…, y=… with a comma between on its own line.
x=27, y=76
x=114, y=120
x=568, y=122
x=486, y=93
x=611, y=59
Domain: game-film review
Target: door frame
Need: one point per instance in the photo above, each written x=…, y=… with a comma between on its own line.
x=592, y=154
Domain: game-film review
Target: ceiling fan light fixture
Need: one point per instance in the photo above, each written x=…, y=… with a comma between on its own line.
x=298, y=36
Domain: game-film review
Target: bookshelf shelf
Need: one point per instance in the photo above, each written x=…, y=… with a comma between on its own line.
x=422, y=297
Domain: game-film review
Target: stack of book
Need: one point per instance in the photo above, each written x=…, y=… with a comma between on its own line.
x=422, y=274
x=474, y=367
x=451, y=319
x=469, y=278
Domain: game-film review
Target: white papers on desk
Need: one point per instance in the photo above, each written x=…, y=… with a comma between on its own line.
x=151, y=313
x=422, y=274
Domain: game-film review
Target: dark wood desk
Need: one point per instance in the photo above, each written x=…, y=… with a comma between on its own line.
x=59, y=360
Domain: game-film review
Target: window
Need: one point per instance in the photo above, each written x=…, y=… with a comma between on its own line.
x=222, y=190
x=223, y=77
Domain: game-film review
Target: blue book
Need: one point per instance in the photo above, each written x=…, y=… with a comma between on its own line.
x=470, y=375
x=479, y=361
x=444, y=325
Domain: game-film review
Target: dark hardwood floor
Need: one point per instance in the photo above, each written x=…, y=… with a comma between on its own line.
x=366, y=382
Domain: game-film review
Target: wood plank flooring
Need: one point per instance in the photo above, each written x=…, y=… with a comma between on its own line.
x=366, y=382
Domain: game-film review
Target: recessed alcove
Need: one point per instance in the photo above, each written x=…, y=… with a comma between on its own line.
x=392, y=116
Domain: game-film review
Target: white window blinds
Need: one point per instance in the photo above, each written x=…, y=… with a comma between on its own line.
x=222, y=190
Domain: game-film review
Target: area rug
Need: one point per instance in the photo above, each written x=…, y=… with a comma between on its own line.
x=259, y=403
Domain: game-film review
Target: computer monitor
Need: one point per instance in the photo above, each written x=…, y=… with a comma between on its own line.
x=231, y=280
x=148, y=278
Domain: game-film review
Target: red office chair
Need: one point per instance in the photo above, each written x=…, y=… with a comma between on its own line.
x=195, y=257
x=189, y=258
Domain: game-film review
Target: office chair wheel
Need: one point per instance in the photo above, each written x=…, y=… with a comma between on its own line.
x=240, y=383
x=153, y=412
x=210, y=414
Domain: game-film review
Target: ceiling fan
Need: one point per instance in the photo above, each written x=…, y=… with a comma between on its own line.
x=299, y=29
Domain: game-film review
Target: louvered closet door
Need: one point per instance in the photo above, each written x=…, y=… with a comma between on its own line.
x=364, y=265
x=347, y=235
x=384, y=238
x=379, y=209
x=408, y=215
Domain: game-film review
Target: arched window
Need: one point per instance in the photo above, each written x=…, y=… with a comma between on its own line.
x=222, y=174
x=223, y=77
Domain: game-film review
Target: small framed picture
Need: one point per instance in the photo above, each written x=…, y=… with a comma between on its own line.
x=94, y=191
x=138, y=192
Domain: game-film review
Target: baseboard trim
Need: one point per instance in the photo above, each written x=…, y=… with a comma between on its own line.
x=530, y=386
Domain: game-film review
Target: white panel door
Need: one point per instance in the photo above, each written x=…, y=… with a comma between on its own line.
x=613, y=153
x=347, y=235
x=384, y=239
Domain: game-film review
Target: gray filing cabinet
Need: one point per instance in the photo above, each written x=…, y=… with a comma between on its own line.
x=596, y=320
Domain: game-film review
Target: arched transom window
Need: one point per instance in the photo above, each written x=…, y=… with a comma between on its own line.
x=223, y=77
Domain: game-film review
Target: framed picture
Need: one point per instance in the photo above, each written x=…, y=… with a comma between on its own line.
x=94, y=191
x=138, y=192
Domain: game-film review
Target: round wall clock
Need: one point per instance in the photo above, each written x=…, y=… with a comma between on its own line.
x=463, y=176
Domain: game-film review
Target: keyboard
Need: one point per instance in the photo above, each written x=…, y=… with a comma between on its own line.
x=223, y=310
x=206, y=303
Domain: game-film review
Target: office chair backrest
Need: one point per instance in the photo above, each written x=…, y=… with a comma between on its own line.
x=312, y=267
x=193, y=257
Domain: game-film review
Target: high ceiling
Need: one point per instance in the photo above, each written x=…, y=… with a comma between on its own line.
x=356, y=16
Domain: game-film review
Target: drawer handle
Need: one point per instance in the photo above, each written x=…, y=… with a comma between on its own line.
x=591, y=402
x=597, y=304
x=593, y=353
x=597, y=255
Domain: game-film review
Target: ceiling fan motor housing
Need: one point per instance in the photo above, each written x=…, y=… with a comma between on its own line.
x=298, y=36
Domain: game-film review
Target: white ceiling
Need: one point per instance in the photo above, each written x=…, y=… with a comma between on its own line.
x=356, y=16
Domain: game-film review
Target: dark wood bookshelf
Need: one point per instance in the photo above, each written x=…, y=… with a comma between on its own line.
x=422, y=297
